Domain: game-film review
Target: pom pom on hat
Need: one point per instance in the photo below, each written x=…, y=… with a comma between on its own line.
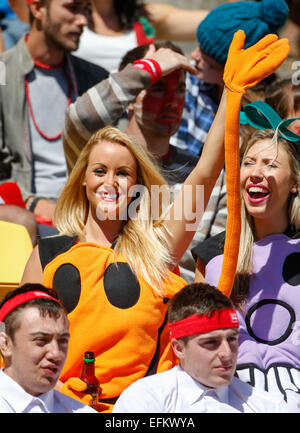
x=273, y=12
x=257, y=19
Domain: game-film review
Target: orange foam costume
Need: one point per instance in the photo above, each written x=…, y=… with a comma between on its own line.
x=112, y=312
x=118, y=315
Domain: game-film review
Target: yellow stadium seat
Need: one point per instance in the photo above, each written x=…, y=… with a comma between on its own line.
x=15, y=249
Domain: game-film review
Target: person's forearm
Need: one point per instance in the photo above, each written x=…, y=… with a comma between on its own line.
x=211, y=161
x=189, y=202
x=174, y=23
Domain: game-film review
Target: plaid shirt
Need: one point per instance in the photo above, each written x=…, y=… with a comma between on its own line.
x=198, y=114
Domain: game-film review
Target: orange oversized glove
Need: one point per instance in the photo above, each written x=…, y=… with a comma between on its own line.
x=246, y=68
x=75, y=387
x=243, y=69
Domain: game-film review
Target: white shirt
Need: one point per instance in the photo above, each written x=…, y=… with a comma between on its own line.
x=105, y=51
x=14, y=399
x=174, y=391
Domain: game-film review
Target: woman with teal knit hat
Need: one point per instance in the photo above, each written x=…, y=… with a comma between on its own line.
x=214, y=35
x=257, y=19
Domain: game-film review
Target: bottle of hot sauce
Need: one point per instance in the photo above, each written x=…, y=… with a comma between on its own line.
x=89, y=377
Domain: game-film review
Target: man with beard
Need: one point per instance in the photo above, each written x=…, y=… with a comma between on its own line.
x=42, y=79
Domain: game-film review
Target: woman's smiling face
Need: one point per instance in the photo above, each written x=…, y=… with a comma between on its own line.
x=111, y=172
x=266, y=181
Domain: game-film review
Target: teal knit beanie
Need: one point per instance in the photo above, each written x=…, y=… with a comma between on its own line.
x=257, y=19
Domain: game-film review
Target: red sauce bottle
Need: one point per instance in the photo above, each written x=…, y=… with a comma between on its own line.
x=88, y=376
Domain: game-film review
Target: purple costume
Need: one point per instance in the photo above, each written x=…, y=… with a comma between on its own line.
x=269, y=352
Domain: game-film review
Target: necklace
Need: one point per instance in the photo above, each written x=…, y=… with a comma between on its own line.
x=45, y=136
x=166, y=156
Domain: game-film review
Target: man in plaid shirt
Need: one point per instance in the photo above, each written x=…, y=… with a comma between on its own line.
x=199, y=111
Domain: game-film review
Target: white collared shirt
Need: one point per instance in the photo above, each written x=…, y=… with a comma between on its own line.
x=14, y=399
x=174, y=391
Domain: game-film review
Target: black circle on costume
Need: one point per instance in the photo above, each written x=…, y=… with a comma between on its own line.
x=288, y=330
x=291, y=269
x=67, y=283
x=121, y=285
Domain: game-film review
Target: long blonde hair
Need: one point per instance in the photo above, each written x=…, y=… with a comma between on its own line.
x=245, y=259
x=143, y=239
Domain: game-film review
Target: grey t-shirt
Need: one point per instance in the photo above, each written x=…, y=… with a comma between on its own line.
x=48, y=92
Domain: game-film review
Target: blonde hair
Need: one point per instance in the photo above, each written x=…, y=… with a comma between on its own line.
x=143, y=239
x=245, y=259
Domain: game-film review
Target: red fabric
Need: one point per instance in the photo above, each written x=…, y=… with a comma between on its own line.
x=141, y=37
x=196, y=324
x=11, y=194
x=43, y=220
x=14, y=302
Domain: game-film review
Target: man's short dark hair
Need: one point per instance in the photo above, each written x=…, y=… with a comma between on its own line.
x=196, y=298
x=46, y=306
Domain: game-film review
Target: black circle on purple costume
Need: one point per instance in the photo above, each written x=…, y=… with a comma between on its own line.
x=288, y=330
x=291, y=269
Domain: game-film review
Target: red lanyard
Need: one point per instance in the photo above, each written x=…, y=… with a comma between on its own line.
x=46, y=137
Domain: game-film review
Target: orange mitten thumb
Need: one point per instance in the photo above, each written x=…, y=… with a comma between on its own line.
x=75, y=387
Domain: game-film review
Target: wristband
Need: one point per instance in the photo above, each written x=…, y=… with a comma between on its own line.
x=151, y=66
x=32, y=204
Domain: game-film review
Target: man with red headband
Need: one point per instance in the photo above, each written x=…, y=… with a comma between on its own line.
x=34, y=336
x=204, y=335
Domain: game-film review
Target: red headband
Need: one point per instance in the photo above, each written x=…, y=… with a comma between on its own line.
x=17, y=300
x=28, y=2
x=196, y=324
